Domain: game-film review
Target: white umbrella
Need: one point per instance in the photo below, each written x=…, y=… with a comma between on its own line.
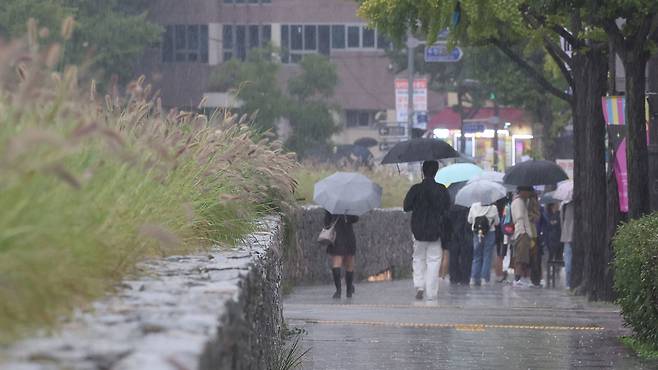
x=564, y=191
x=347, y=193
x=482, y=191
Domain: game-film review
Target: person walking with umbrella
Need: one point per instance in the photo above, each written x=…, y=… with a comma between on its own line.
x=525, y=175
x=484, y=219
x=523, y=235
x=342, y=250
x=429, y=204
x=344, y=196
x=481, y=196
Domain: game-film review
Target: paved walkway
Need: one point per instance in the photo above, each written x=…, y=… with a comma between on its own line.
x=492, y=327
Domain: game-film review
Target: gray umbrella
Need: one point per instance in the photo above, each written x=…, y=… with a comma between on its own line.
x=347, y=193
x=482, y=191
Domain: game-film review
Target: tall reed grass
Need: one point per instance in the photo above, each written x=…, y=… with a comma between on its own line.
x=89, y=185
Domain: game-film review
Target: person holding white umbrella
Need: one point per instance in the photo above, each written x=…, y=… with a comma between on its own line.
x=483, y=216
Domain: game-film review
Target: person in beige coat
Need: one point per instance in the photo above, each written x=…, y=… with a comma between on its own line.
x=524, y=232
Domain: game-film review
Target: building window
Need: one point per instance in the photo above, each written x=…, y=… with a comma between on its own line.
x=338, y=37
x=296, y=37
x=237, y=40
x=358, y=118
x=227, y=41
x=383, y=42
x=185, y=43
x=368, y=37
x=310, y=38
x=324, y=40
x=353, y=37
x=300, y=39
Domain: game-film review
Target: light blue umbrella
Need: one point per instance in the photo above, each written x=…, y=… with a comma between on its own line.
x=457, y=173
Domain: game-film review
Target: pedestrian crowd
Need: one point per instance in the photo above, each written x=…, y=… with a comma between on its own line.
x=469, y=241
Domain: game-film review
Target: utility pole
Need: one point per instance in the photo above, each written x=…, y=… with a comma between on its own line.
x=460, y=104
x=411, y=47
x=496, y=122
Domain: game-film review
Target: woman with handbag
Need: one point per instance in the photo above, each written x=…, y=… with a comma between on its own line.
x=341, y=250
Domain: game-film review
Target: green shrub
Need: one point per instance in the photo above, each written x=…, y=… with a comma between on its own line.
x=636, y=276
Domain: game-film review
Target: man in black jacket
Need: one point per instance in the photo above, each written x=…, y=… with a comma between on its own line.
x=429, y=203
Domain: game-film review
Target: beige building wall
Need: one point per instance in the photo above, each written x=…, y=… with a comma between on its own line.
x=366, y=79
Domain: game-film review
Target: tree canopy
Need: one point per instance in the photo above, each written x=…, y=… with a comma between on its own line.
x=109, y=35
x=304, y=104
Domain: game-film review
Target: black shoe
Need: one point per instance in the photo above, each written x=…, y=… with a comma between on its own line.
x=419, y=295
x=336, y=295
x=350, y=291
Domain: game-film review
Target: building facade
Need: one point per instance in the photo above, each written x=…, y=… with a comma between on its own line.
x=201, y=34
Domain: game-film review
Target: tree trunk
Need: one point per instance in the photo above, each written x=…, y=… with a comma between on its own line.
x=589, y=265
x=614, y=219
x=547, y=118
x=638, y=156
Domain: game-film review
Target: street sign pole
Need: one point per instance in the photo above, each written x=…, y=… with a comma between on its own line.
x=410, y=81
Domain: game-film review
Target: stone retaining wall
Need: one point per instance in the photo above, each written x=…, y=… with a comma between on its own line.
x=383, y=239
x=216, y=310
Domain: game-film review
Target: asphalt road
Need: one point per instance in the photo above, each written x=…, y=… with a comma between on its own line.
x=489, y=327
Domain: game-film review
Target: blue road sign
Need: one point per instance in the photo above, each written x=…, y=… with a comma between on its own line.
x=420, y=120
x=471, y=128
x=439, y=53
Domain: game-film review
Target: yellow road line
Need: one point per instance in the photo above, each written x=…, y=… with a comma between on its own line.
x=374, y=305
x=460, y=327
x=444, y=306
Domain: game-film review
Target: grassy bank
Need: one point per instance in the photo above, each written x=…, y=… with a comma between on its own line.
x=89, y=185
x=394, y=185
x=642, y=349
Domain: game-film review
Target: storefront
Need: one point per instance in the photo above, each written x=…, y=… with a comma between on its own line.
x=514, y=136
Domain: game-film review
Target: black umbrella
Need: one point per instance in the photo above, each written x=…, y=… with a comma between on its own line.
x=548, y=198
x=535, y=172
x=366, y=142
x=454, y=188
x=417, y=150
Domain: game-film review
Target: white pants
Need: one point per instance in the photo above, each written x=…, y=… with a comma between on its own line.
x=427, y=260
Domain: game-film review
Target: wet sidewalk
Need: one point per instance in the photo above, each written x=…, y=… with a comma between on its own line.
x=490, y=327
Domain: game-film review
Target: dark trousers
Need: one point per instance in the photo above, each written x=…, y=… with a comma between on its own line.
x=535, y=265
x=461, y=259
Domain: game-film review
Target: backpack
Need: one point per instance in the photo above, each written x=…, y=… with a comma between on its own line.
x=508, y=222
x=481, y=225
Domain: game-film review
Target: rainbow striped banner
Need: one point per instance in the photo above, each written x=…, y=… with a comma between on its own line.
x=613, y=110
